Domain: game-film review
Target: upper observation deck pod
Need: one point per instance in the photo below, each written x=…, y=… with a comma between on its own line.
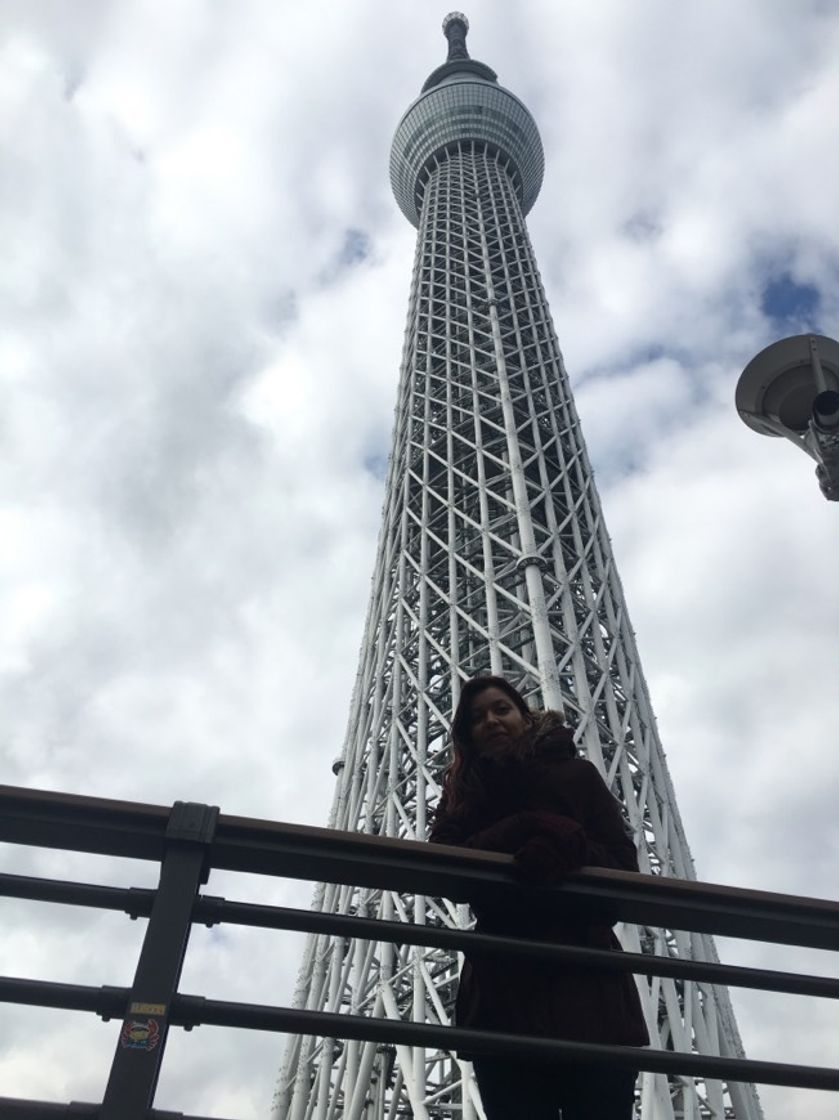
x=462, y=101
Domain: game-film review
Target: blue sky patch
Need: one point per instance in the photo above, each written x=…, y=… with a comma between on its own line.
x=376, y=465
x=355, y=249
x=783, y=300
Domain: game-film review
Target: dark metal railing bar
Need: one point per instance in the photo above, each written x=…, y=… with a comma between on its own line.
x=192, y=1011
x=190, y=839
x=14, y=1109
x=45, y=819
x=134, y=901
x=468, y=875
x=210, y=910
x=109, y=1003
x=324, y=855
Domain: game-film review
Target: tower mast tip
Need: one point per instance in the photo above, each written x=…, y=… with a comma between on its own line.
x=455, y=26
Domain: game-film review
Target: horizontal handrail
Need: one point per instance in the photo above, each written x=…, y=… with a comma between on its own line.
x=325, y=855
x=193, y=1011
x=15, y=1109
x=134, y=901
x=210, y=910
x=190, y=839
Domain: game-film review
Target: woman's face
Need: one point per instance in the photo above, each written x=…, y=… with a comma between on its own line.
x=494, y=722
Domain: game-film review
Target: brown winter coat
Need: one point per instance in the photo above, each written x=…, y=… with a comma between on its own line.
x=554, y=796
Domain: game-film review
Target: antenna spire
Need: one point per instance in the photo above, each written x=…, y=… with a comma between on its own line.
x=455, y=26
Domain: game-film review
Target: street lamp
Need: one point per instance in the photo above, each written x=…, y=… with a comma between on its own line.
x=792, y=389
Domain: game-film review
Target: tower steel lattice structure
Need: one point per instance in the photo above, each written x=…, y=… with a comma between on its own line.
x=493, y=556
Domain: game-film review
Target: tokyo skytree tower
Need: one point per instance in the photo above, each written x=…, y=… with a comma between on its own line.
x=493, y=556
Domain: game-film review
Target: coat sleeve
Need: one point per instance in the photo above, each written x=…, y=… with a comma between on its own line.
x=447, y=828
x=608, y=840
x=508, y=834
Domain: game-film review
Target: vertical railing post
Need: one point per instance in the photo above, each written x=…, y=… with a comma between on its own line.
x=136, y=1066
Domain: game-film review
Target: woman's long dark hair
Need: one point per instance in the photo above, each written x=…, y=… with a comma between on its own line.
x=462, y=786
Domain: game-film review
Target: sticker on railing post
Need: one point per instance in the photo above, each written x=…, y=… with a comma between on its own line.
x=147, y=1008
x=139, y=1034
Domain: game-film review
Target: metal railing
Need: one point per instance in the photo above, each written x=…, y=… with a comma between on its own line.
x=190, y=840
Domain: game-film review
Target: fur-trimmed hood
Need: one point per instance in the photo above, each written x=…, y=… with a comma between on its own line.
x=548, y=733
x=548, y=739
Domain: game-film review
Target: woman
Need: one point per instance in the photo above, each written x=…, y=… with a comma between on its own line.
x=516, y=785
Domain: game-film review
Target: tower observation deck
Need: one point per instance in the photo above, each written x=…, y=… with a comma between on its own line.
x=462, y=103
x=493, y=556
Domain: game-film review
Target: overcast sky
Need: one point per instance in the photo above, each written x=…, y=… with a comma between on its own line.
x=204, y=285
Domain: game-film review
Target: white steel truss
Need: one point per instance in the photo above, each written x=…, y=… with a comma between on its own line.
x=493, y=555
